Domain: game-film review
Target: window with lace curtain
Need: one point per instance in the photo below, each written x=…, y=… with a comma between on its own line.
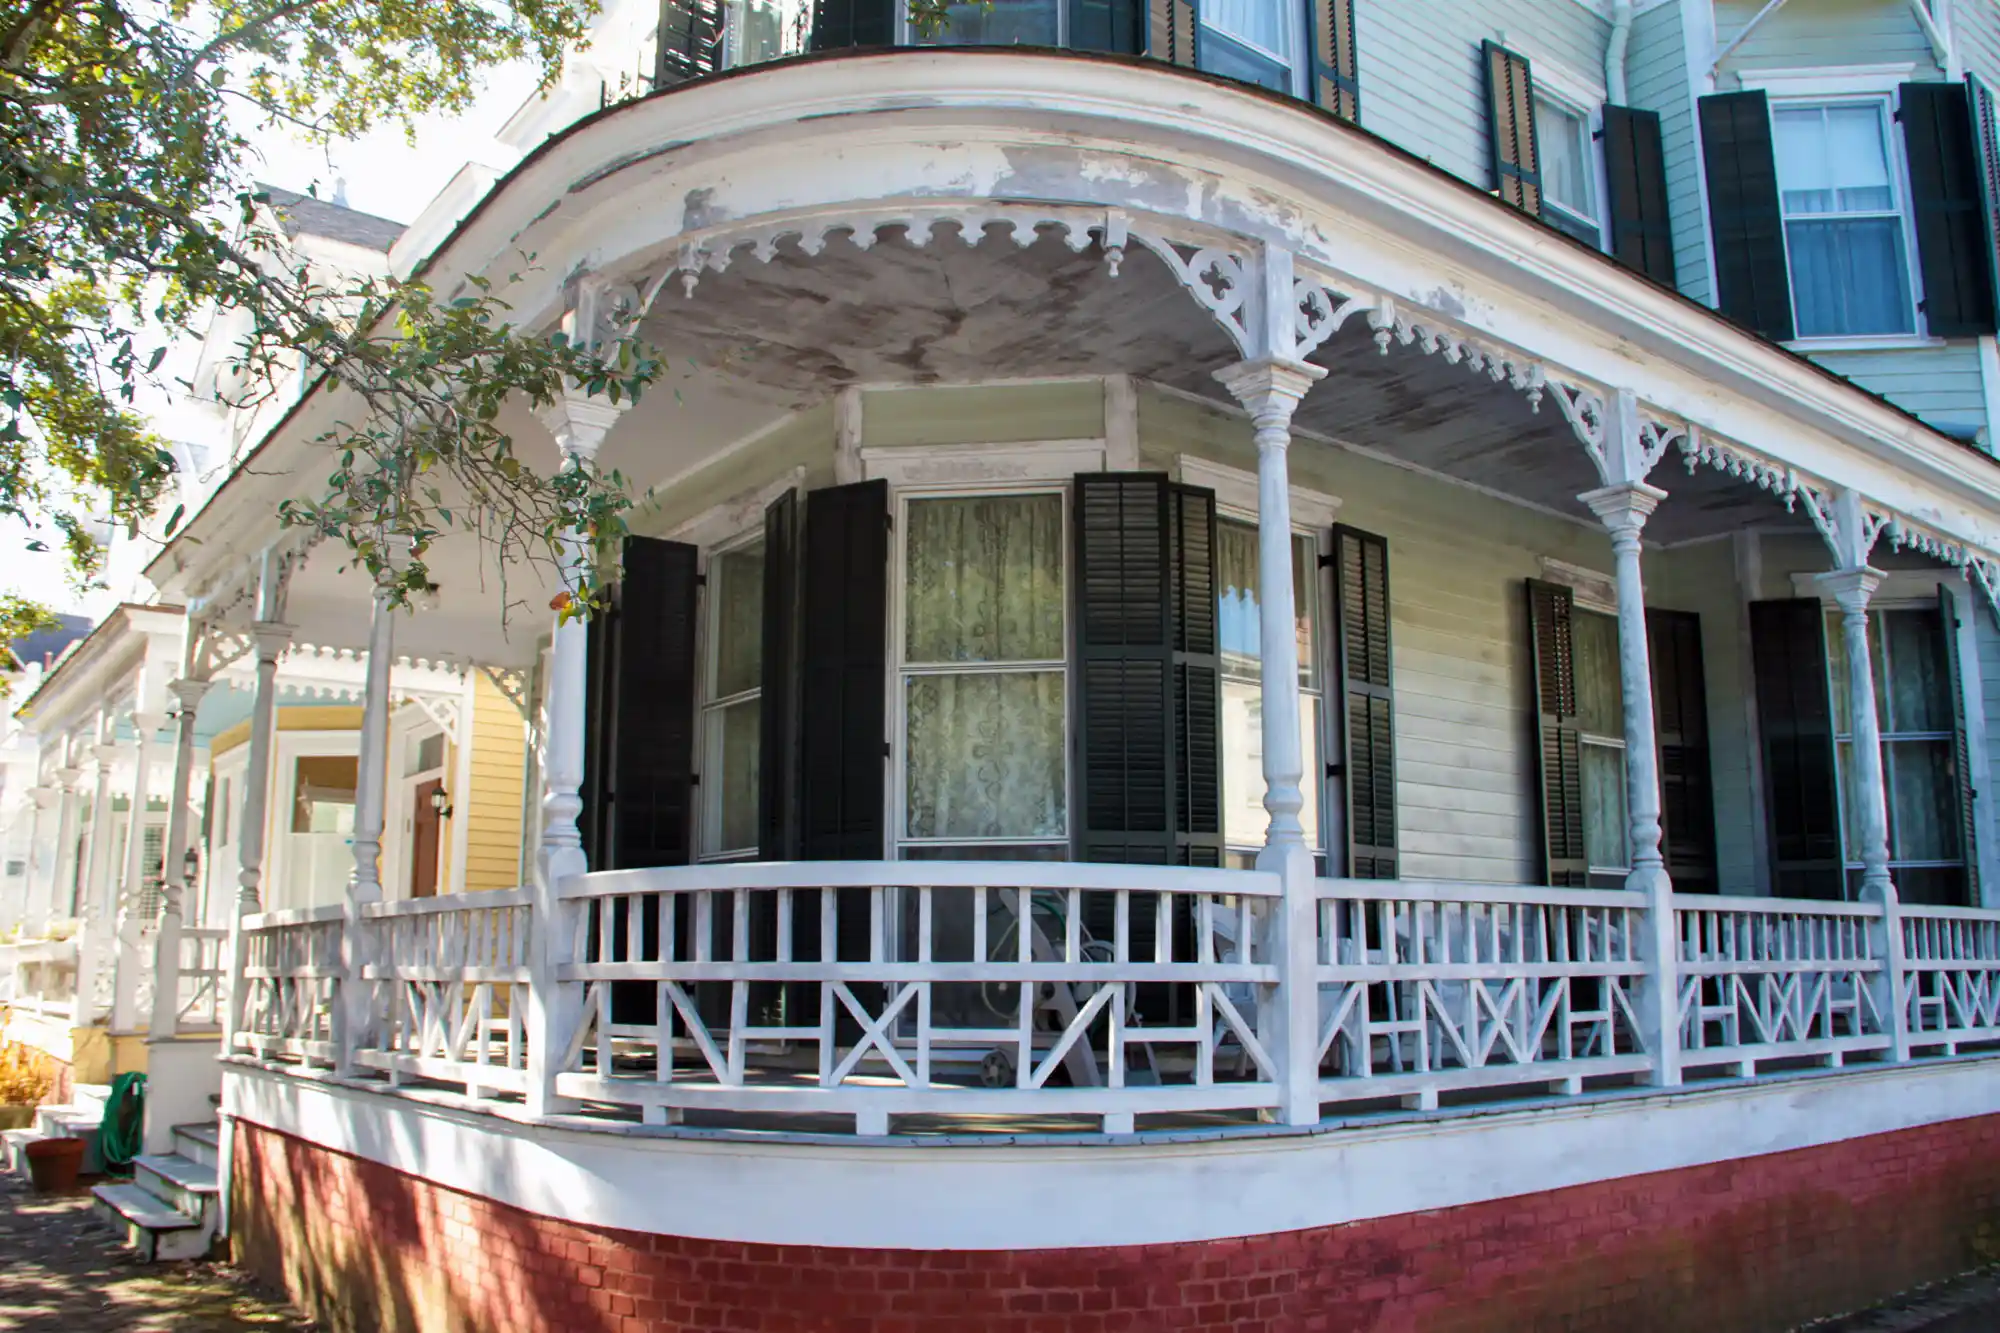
x=984, y=630
x=1251, y=40
x=732, y=702
x=1842, y=200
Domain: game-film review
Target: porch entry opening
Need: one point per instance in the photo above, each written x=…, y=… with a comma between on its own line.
x=423, y=795
x=320, y=830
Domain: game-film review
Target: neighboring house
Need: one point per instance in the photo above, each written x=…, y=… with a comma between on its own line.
x=1301, y=666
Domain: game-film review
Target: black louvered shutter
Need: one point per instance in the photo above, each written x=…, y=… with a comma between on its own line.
x=1197, y=662
x=1336, y=69
x=1173, y=33
x=1559, y=738
x=1680, y=720
x=1968, y=820
x=1753, y=286
x=1108, y=25
x=1986, y=141
x=690, y=41
x=841, y=23
x=1635, y=167
x=777, y=760
x=1510, y=117
x=843, y=673
x=1947, y=209
x=1794, y=714
x=1367, y=703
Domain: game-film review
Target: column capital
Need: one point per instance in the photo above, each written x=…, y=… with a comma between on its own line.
x=68, y=776
x=1270, y=385
x=1850, y=589
x=110, y=752
x=580, y=422
x=1624, y=506
x=45, y=795
x=189, y=691
x=273, y=637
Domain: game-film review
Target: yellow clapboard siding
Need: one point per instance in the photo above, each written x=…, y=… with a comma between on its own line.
x=492, y=807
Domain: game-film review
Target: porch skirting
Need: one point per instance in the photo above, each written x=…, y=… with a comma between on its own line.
x=1753, y=1243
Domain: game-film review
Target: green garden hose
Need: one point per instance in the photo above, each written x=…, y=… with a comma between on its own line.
x=122, y=1135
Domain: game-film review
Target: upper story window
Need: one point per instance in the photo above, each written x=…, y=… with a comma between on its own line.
x=999, y=23
x=1251, y=40
x=1843, y=216
x=1569, y=169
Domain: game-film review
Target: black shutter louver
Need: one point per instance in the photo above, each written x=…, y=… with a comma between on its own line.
x=1147, y=673
x=843, y=23
x=1794, y=715
x=843, y=672
x=689, y=41
x=1680, y=719
x=1367, y=702
x=1172, y=31
x=1947, y=207
x=1635, y=167
x=1559, y=738
x=1986, y=140
x=1510, y=116
x=1753, y=285
x=777, y=761
x=1968, y=819
x=1108, y=25
x=1336, y=68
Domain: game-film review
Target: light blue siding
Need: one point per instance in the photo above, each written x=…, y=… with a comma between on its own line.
x=1939, y=384
x=1422, y=87
x=1976, y=28
x=1813, y=34
x=1656, y=79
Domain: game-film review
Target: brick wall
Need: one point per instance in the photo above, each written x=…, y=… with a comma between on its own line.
x=1758, y=1243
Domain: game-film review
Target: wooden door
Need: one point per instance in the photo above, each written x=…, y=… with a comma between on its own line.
x=424, y=829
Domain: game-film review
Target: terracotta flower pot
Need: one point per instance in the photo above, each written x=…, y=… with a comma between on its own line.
x=53, y=1164
x=16, y=1117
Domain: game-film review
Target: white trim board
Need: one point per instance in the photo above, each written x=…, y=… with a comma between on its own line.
x=1004, y=1195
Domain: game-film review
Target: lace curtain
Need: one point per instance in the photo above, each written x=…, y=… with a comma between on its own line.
x=985, y=754
x=1849, y=275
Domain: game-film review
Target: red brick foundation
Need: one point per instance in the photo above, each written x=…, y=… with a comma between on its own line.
x=1760, y=1243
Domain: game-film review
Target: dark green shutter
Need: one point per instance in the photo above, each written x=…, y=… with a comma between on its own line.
x=1794, y=715
x=1753, y=285
x=1680, y=720
x=1336, y=68
x=1108, y=25
x=1947, y=209
x=1173, y=31
x=1510, y=119
x=1986, y=141
x=689, y=41
x=843, y=670
x=1367, y=701
x=1559, y=738
x=1968, y=820
x=1635, y=167
x=843, y=23
x=1147, y=672
x=777, y=760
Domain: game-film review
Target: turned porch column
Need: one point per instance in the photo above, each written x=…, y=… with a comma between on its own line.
x=93, y=947
x=69, y=815
x=41, y=860
x=579, y=425
x=130, y=961
x=173, y=871
x=1270, y=390
x=365, y=886
x=272, y=636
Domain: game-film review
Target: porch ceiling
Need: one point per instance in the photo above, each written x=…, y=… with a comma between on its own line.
x=785, y=334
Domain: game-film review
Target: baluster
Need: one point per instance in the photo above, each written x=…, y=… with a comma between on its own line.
x=829, y=954
x=924, y=987
x=1024, y=1065
x=739, y=989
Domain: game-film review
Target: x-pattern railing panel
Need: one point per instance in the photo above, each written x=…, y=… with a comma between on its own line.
x=291, y=977
x=1951, y=976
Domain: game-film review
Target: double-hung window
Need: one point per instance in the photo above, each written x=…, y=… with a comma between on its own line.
x=1254, y=41
x=732, y=702
x=1239, y=630
x=1600, y=710
x=1842, y=200
x=1919, y=725
x=984, y=631
x=997, y=23
x=1569, y=169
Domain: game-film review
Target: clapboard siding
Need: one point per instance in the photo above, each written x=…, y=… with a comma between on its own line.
x=1940, y=384
x=1656, y=79
x=1457, y=561
x=1421, y=83
x=494, y=807
x=1817, y=33
x=1988, y=633
x=1977, y=30
x=996, y=414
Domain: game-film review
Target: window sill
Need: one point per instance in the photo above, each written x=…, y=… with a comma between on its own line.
x=1893, y=342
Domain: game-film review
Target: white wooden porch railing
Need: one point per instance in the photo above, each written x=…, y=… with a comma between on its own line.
x=291, y=972
x=203, y=979
x=920, y=997
x=42, y=977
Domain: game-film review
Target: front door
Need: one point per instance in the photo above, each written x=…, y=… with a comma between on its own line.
x=424, y=826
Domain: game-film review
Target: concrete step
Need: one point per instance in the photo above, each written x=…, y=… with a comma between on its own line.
x=185, y=1186
x=90, y=1097
x=150, y=1226
x=14, y=1148
x=199, y=1143
x=60, y=1122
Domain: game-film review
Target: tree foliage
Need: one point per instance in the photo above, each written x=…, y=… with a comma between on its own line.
x=127, y=214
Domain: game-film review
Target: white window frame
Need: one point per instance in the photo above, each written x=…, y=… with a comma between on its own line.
x=288, y=748
x=1301, y=39
x=1591, y=117
x=906, y=31
x=707, y=705
x=409, y=727
x=900, y=671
